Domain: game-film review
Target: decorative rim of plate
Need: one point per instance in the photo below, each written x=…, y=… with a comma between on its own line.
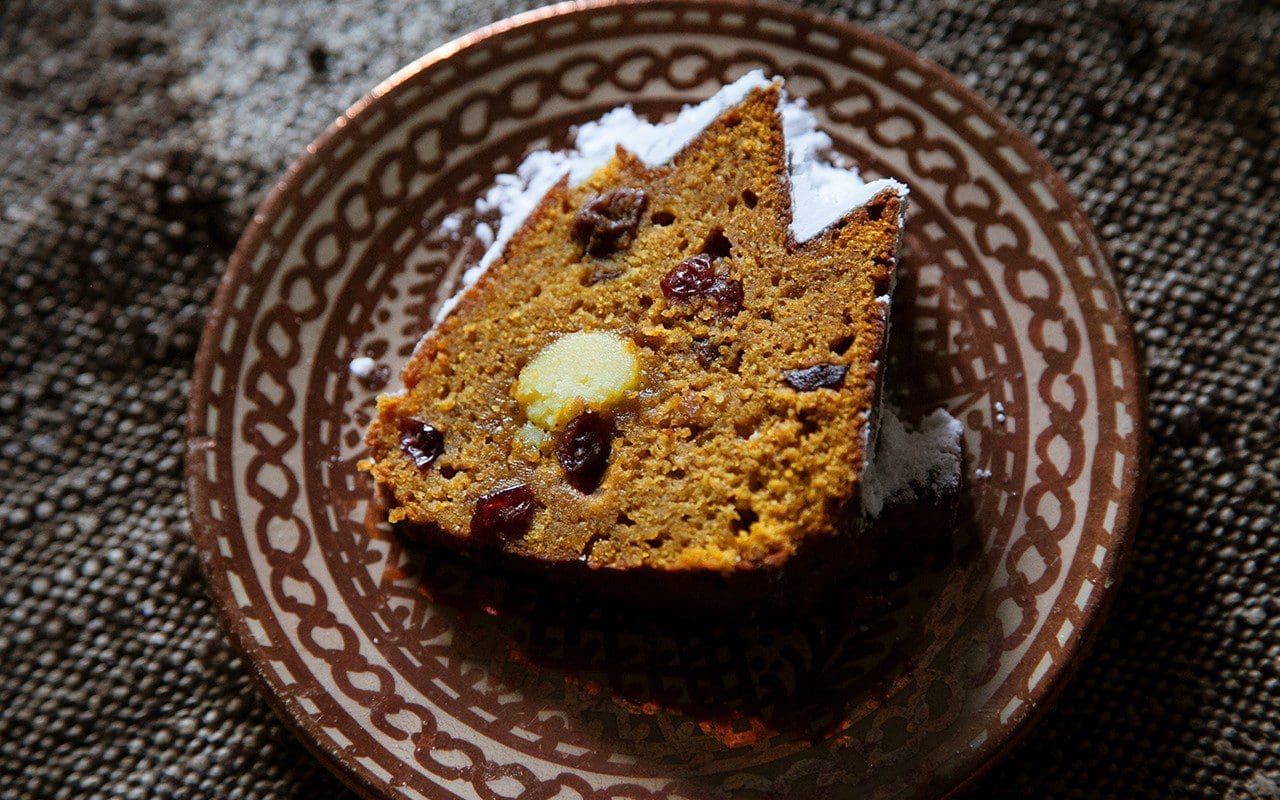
x=979, y=759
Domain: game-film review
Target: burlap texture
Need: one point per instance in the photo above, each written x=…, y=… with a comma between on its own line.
x=135, y=139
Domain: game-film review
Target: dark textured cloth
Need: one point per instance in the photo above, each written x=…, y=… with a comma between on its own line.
x=135, y=139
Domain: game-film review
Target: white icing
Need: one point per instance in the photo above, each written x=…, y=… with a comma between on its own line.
x=910, y=461
x=451, y=225
x=450, y=303
x=822, y=191
x=654, y=144
x=884, y=302
x=362, y=367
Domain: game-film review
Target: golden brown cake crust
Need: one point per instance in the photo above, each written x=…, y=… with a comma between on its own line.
x=725, y=458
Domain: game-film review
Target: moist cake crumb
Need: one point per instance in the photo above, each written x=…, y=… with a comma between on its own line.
x=740, y=442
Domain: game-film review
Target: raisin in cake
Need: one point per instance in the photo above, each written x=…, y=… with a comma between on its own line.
x=655, y=375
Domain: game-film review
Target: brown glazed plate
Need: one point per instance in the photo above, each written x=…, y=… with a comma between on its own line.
x=412, y=675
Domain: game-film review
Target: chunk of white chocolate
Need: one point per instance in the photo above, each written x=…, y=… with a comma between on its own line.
x=593, y=370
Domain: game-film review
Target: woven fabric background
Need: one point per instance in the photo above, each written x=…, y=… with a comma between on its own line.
x=136, y=138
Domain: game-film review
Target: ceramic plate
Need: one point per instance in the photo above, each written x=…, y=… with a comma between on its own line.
x=416, y=677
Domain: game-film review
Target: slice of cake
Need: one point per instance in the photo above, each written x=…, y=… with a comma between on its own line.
x=666, y=368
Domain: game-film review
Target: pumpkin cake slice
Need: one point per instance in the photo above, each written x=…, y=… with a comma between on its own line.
x=657, y=375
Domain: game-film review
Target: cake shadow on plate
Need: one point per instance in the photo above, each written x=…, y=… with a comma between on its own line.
x=798, y=667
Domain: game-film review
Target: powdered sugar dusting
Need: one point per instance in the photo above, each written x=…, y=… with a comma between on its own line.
x=909, y=461
x=822, y=191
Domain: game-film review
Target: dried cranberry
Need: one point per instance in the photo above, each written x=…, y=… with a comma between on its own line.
x=503, y=514
x=421, y=442
x=608, y=221
x=819, y=376
x=690, y=279
x=696, y=278
x=584, y=448
x=727, y=294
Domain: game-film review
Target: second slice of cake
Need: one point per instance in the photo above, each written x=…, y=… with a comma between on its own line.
x=656, y=375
